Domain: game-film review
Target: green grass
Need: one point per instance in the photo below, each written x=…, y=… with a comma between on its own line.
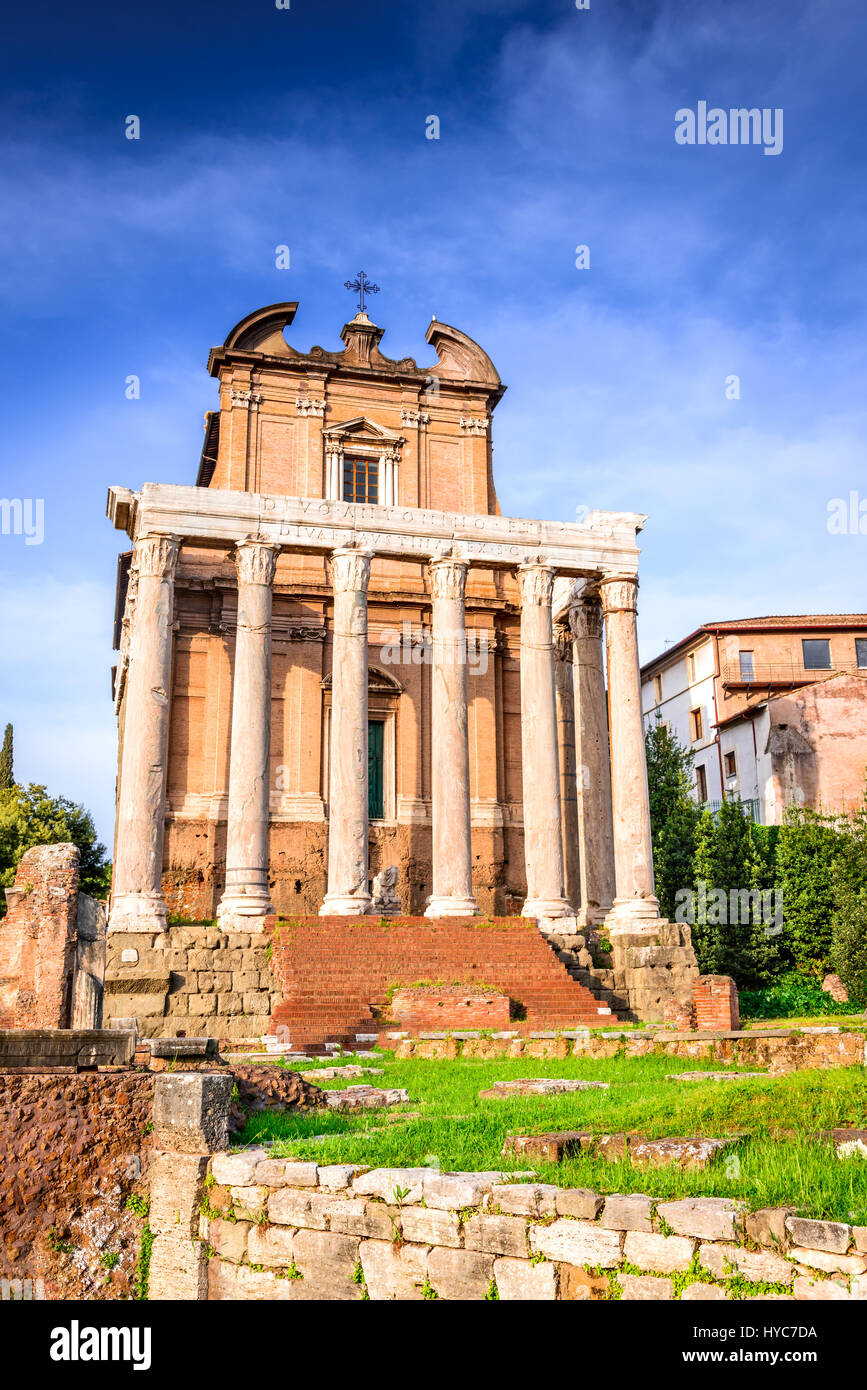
x=458, y=1131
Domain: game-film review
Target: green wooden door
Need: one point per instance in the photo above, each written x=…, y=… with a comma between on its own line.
x=375, y=809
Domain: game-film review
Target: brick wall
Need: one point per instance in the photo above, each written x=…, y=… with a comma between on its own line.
x=38, y=939
x=73, y=1149
x=430, y=1007
x=294, y=1231
x=715, y=1002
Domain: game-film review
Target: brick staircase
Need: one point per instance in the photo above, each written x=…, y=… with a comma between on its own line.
x=335, y=973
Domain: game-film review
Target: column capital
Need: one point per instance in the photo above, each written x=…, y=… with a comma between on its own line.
x=537, y=583
x=562, y=642
x=350, y=570
x=619, y=593
x=256, y=561
x=448, y=577
x=155, y=557
x=585, y=618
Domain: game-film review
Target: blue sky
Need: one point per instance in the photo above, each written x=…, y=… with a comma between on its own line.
x=306, y=127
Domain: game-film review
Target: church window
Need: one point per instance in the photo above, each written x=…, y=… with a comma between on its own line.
x=360, y=479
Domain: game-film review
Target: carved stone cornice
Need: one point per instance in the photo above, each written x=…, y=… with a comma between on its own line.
x=249, y=399
x=155, y=557
x=537, y=584
x=585, y=619
x=350, y=570
x=307, y=405
x=256, y=562
x=474, y=425
x=448, y=578
x=619, y=593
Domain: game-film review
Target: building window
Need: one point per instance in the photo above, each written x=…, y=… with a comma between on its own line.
x=375, y=780
x=696, y=725
x=748, y=670
x=817, y=653
x=861, y=652
x=701, y=783
x=657, y=689
x=690, y=669
x=730, y=763
x=360, y=480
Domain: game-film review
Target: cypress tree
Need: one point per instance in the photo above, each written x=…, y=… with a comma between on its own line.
x=7, y=779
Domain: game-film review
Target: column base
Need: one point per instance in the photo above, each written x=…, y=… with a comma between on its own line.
x=240, y=911
x=451, y=907
x=138, y=912
x=346, y=905
x=633, y=917
x=547, y=907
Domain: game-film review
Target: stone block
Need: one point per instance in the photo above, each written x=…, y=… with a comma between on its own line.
x=248, y=1202
x=257, y=1004
x=708, y=1218
x=294, y=1206
x=138, y=1005
x=643, y=1288
x=768, y=1226
x=497, y=1235
x=577, y=1242
x=429, y=1226
x=579, y=1202
x=229, y=1238
x=175, y=1192
x=326, y=1263
x=521, y=1281
x=460, y=1275
x=859, y=1235
x=576, y=1285
x=178, y=1270
x=384, y=1182
x=759, y=1266
x=228, y=1281
x=271, y=1245
x=820, y=1290
x=703, y=1293
x=237, y=1170
x=525, y=1199
x=393, y=1272
x=819, y=1235
x=454, y=1191
x=284, y=1172
x=191, y=1111
x=202, y=1004
x=627, y=1212
x=335, y=1176
x=662, y=1254
x=828, y=1262
x=356, y=1216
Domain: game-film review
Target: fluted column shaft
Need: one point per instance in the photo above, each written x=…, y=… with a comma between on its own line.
x=246, y=899
x=634, y=902
x=137, y=895
x=593, y=773
x=452, y=894
x=565, y=696
x=348, y=893
x=540, y=762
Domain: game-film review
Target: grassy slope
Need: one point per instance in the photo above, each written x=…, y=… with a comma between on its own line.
x=458, y=1131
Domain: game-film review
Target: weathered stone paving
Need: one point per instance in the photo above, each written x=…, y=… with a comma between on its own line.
x=540, y=1086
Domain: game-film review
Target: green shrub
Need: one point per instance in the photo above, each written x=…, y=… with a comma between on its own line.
x=792, y=996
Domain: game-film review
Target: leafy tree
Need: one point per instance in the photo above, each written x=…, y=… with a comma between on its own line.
x=808, y=846
x=7, y=779
x=732, y=868
x=30, y=816
x=674, y=815
x=848, y=955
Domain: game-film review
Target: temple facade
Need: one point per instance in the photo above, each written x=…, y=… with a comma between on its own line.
x=347, y=684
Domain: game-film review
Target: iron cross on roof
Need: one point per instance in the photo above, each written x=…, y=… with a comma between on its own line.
x=361, y=286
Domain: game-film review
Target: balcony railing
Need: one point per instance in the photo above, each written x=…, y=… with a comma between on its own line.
x=784, y=673
x=751, y=808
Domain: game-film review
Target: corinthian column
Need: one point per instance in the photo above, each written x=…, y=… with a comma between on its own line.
x=635, y=905
x=540, y=761
x=348, y=894
x=565, y=696
x=246, y=900
x=450, y=765
x=593, y=775
x=137, y=902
